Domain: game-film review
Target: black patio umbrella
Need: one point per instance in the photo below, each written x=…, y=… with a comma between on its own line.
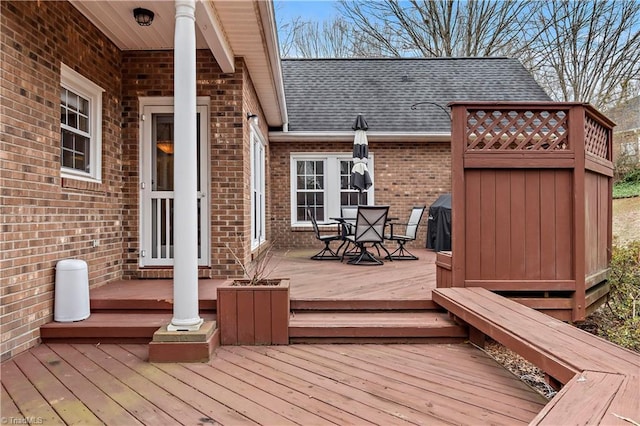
x=360, y=178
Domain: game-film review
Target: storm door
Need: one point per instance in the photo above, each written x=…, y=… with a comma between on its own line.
x=156, y=186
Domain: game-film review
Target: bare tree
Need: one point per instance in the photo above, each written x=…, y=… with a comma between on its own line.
x=588, y=51
x=439, y=28
x=310, y=39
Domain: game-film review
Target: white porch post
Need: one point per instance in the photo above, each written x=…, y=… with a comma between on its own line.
x=185, y=219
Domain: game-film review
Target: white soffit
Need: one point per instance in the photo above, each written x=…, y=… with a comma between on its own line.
x=228, y=28
x=115, y=19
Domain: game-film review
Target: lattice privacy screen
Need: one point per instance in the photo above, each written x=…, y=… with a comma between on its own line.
x=517, y=130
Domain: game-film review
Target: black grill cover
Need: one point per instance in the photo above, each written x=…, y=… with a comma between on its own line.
x=439, y=224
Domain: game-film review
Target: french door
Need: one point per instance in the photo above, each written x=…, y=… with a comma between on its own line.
x=156, y=184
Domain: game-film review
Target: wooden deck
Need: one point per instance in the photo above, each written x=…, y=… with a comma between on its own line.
x=330, y=302
x=297, y=384
x=602, y=380
x=407, y=282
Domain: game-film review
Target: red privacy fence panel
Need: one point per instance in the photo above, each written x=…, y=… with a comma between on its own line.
x=531, y=210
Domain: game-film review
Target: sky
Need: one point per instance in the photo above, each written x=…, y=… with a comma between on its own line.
x=309, y=10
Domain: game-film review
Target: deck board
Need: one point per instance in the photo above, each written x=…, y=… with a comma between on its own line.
x=125, y=396
x=295, y=384
x=68, y=407
x=25, y=397
x=401, y=388
x=563, y=345
x=100, y=403
x=410, y=282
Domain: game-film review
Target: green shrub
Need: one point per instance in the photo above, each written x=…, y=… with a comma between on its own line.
x=620, y=317
x=628, y=186
x=632, y=176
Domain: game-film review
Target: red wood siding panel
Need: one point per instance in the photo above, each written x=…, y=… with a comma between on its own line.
x=226, y=314
x=487, y=223
x=596, y=222
x=564, y=224
x=262, y=320
x=246, y=332
x=473, y=221
x=503, y=222
x=533, y=231
x=518, y=225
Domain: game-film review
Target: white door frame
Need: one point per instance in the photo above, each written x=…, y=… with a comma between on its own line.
x=164, y=105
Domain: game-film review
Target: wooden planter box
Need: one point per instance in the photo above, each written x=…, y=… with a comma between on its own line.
x=254, y=315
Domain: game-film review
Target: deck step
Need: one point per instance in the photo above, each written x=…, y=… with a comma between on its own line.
x=363, y=305
x=377, y=326
x=108, y=328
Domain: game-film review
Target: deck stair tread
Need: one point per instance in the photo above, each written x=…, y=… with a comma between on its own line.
x=373, y=324
x=109, y=326
x=571, y=348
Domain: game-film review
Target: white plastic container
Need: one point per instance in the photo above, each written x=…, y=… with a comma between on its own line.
x=71, y=299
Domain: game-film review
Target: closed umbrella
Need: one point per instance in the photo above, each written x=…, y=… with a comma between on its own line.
x=360, y=178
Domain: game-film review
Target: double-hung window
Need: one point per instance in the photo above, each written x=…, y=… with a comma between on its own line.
x=258, y=214
x=322, y=182
x=80, y=126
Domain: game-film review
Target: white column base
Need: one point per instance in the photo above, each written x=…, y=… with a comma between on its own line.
x=185, y=325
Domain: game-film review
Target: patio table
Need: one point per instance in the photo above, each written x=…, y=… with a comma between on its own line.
x=345, y=222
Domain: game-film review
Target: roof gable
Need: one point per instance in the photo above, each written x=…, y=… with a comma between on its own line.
x=325, y=95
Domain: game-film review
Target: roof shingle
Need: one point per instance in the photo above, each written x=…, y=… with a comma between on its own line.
x=325, y=95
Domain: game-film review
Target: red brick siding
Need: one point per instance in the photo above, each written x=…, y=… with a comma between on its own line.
x=406, y=175
x=147, y=73
x=47, y=218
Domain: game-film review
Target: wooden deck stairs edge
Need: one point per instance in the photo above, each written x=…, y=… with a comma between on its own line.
x=134, y=320
x=600, y=378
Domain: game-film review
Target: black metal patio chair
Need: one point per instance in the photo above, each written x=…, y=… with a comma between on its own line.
x=403, y=233
x=326, y=253
x=369, y=230
x=348, y=219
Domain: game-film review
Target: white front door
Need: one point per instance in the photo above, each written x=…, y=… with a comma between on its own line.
x=156, y=184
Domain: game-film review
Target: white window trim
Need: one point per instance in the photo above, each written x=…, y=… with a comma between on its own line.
x=331, y=182
x=256, y=136
x=77, y=83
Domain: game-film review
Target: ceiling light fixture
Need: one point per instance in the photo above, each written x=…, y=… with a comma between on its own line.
x=144, y=17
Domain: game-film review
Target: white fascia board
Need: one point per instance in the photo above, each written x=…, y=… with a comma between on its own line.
x=270, y=26
x=211, y=28
x=302, y=137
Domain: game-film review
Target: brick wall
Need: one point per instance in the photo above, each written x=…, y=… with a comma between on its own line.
x=46, y=218
x=406, y=175
x=150, y=73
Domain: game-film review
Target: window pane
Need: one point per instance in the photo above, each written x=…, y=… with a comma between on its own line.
x=83, y=123
x=300, y=167
x=67, y=139
x=72, y=119
x=84, y=106
x=72, y=101
x=301, y=213
x=308, y=168
x=344, y=182
x=67, y=159
x=319, y=167
x=80, y=161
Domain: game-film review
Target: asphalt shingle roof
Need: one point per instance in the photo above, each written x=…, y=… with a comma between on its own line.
x=325, y=95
